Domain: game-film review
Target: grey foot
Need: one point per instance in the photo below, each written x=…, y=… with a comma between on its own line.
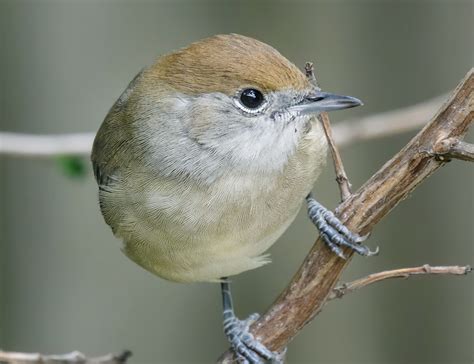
x=247, y=349
x=334, y=233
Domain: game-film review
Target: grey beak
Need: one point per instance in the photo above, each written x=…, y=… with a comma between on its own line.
x=319, y=101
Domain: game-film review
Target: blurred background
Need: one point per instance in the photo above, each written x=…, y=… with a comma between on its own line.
x=66, y=286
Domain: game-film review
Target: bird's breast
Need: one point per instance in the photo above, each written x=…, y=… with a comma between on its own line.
x=186, y=232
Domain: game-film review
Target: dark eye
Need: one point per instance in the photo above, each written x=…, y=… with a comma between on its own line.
x=251, y=98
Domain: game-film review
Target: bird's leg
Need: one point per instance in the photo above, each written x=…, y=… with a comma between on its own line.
x=334, y=233
x=247, y=349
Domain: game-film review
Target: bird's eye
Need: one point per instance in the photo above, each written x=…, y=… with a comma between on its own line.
x=251, y=98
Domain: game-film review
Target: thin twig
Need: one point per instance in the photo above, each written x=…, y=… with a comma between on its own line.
x=309, y=72
x=341, y=176
x=74, y=357
x=306, y=294
x=345, y=288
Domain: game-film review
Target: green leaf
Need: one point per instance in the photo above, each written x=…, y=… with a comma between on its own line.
x=72, y=166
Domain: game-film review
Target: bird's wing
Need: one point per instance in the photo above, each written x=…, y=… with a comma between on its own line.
x=112, y=155
x=112, y=138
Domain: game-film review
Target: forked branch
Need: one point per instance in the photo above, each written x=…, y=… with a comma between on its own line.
x=306, y=294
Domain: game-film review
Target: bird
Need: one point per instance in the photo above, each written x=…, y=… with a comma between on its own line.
x=205, y=160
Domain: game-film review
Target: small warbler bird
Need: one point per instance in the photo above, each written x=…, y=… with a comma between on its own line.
x=204, y=161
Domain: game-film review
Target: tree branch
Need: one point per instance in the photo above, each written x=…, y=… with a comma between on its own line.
x=345, y=133
x=345, y=288
x=311, y=286
x=74, y=357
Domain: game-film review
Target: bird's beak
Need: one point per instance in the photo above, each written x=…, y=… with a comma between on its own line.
x=319, y=101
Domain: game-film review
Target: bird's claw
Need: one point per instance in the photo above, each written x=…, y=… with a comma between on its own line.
x=334, y=233
x=247, y=349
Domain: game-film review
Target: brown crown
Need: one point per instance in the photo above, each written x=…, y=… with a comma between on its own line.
x=226, y=63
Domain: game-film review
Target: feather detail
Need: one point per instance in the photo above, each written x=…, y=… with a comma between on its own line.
x=225, y=63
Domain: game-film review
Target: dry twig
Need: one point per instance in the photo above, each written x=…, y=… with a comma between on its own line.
x=341, y=176
x=345, y=288
x=311, y=286
x=74, y=357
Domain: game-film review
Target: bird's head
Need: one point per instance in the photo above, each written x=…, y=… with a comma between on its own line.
x=236, y=97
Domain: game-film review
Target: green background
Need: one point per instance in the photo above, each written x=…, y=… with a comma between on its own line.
x=66, y=286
